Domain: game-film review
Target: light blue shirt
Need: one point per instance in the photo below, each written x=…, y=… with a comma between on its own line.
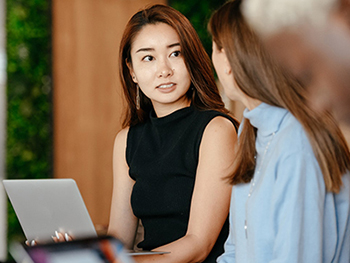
x=289, y=216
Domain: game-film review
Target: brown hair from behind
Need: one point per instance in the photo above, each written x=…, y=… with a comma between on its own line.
x=260, y=77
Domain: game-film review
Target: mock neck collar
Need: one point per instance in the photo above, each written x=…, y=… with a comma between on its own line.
x=172, y=117
x=265, y=118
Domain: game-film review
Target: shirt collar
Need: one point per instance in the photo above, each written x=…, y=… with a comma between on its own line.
x=266, y=118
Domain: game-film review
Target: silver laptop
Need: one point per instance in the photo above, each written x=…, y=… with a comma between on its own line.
x=44, y=206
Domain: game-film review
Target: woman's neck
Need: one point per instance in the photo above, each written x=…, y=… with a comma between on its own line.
x=250, y=103
x=164, y=109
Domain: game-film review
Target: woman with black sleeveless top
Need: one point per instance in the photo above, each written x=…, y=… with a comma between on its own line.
x=175, y=150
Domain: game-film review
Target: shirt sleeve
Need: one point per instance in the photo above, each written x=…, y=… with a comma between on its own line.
x=298, y=207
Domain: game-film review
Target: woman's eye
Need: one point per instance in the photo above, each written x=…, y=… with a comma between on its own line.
x=175, y=54
x=147, y=58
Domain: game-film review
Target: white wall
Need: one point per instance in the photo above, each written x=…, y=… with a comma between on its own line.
x=3, y=198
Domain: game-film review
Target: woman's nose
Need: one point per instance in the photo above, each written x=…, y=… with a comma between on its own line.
x=165, y=70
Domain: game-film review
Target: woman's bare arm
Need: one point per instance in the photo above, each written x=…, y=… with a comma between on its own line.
x=122, y=223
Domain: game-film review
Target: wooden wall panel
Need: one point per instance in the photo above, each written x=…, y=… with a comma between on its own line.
x=87, y=100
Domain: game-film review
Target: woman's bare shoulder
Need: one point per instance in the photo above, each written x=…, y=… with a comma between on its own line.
x=121, y=136
x=221, y=126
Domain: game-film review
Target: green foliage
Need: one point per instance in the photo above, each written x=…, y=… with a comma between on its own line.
x=29, y=113
x=198, y=12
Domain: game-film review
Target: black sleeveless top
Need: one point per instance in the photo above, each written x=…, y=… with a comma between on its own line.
x=162, y=155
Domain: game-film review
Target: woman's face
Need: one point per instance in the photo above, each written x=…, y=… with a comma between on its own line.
x=224, y=72
x=227, y=80
x=158, y=67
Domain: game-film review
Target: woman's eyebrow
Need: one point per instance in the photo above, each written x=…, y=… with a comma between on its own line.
x=173, y=45
x=147, y=49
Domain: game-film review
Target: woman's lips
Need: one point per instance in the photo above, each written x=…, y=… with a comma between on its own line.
x=168, y=87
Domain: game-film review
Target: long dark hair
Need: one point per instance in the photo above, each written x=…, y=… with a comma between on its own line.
x=260, y=77
x=203, y=92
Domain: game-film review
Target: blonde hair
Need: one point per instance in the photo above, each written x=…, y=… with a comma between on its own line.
x=281, y=14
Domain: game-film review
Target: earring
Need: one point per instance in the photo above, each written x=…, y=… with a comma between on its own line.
x=225, y=70
x=137, y=97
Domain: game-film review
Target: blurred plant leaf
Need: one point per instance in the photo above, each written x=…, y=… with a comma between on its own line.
x=29, y=102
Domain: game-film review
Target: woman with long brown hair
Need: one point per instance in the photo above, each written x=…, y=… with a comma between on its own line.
x=174, y=151
x=291, y=185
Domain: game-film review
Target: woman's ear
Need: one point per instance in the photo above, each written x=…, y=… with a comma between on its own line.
x=227, y=65
x=131, y=70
